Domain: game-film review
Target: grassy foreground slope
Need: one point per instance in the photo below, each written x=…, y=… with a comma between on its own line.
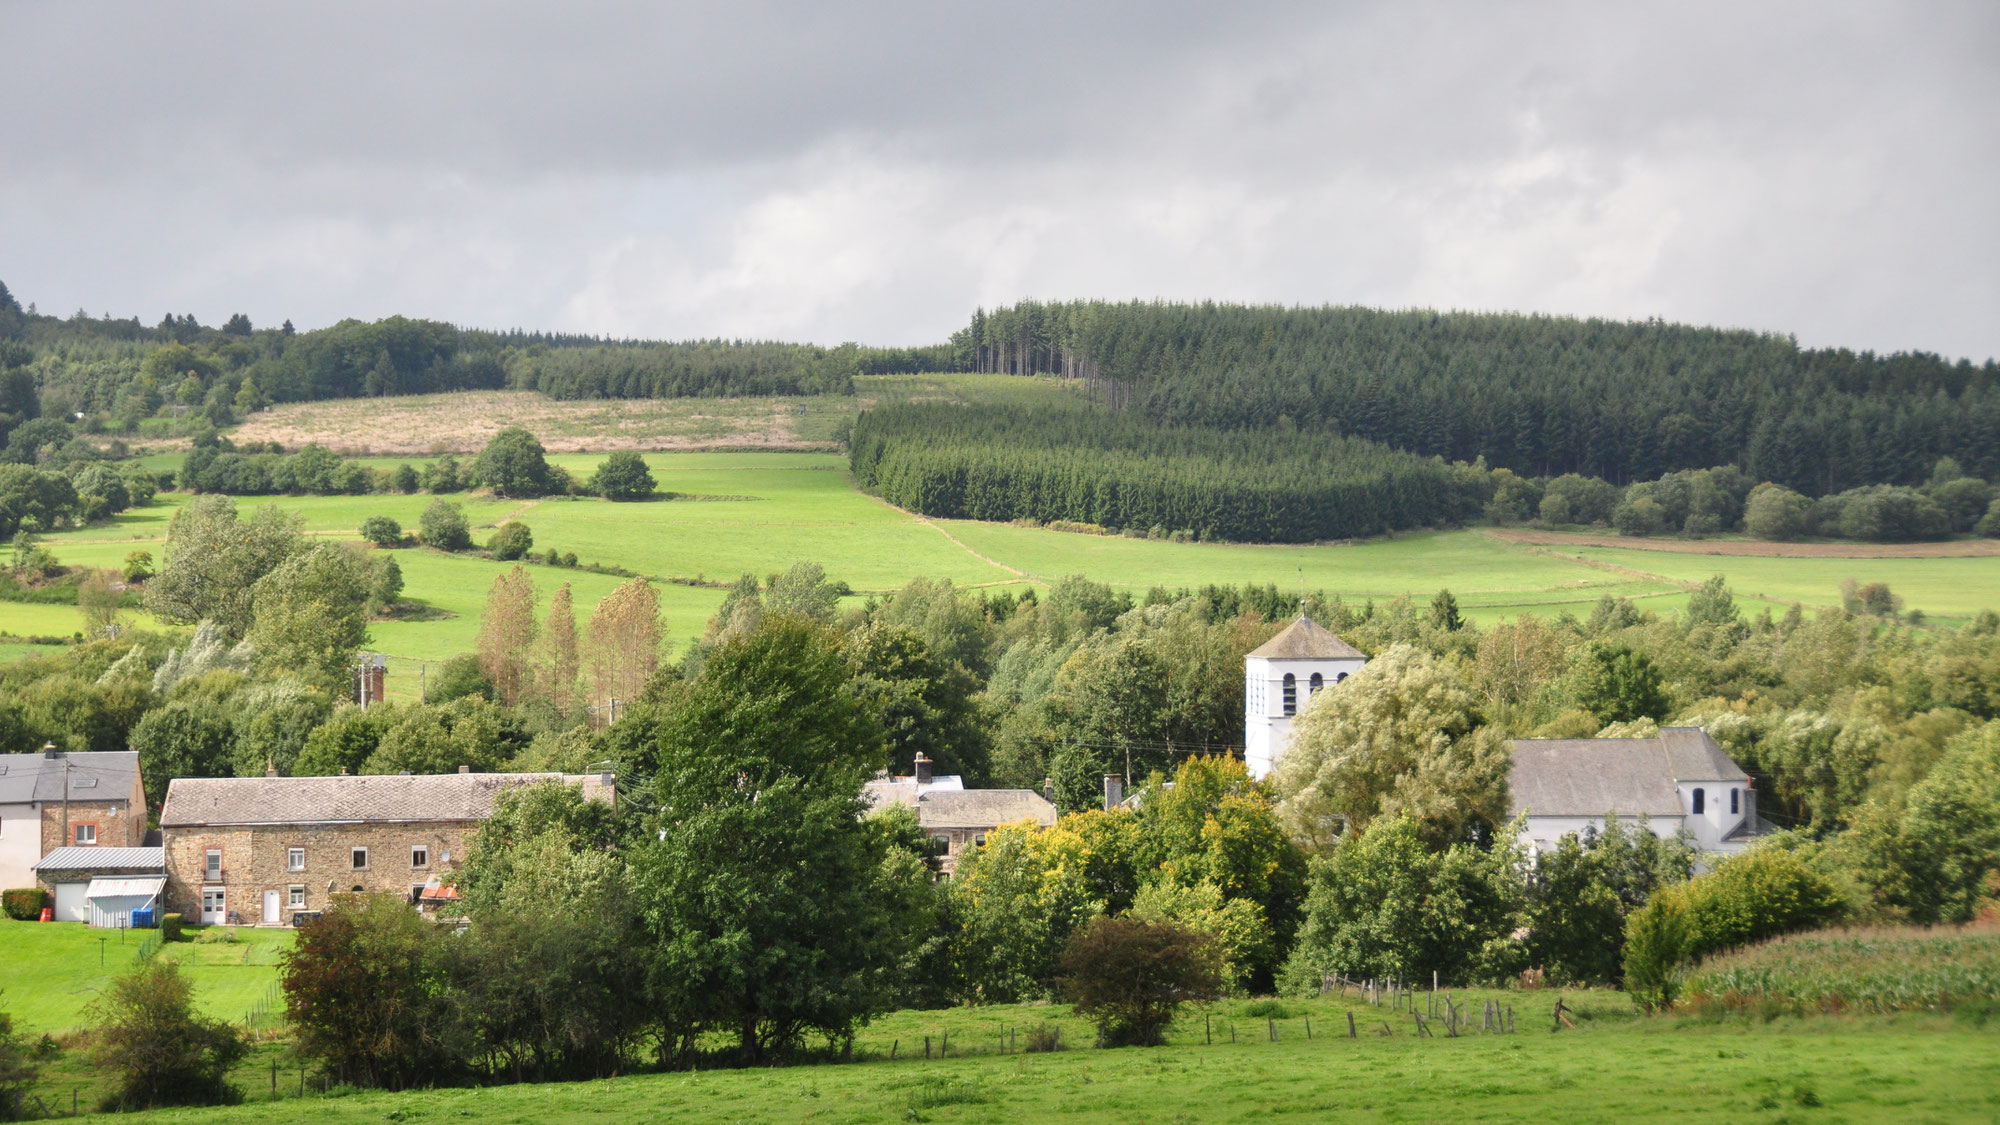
x=54, y=971
x=1616, y=1068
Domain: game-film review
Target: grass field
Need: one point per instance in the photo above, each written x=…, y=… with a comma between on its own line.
x=53, y=971
x=760, y=512
x=1612, y=1068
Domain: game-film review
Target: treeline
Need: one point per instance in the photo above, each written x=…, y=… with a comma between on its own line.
x=1001, y=463
x=1541, y=395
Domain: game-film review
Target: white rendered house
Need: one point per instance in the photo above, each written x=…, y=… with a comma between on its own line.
x=1281, y=677
x=1679, y=779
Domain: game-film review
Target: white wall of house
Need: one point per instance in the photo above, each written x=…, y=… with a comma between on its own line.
x=1267, y=723
x=1724, y=805
x=20, y=844
x=1542, y=832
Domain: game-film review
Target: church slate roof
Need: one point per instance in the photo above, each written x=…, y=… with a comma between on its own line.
x=1306, y=639
x=345, y=799
x=1592, y=776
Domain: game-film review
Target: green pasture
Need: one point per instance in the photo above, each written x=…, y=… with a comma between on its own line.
x=722, y=515
x=51, y=972
x=1613, y=1066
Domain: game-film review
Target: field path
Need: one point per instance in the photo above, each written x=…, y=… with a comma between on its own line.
x=1516, y=542
x=1949, y=549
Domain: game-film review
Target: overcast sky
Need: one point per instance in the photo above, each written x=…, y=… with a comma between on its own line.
x=872, y=172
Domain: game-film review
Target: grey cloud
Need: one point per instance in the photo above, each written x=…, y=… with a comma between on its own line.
x=872, y=171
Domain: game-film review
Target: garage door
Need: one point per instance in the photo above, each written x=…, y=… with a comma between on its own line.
x=72, y=905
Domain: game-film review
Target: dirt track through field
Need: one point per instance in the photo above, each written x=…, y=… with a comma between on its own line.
x=1951, y=549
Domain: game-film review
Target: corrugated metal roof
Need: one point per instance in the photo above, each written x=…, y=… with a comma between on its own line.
x=201, y=801
x=97, y=775
x=1593, y=776
x=1306, y=639
x=103, y=859
x=136, y=885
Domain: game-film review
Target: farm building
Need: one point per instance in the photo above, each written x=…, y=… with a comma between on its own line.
x=264, y=850
x=1679, y=779
x=57, y=799
x=957, y=817
x=1281, y=677
x=103, y=885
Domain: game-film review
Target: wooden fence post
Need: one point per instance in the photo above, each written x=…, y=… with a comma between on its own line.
x=893, y=1044
x=1350, y=1025
x=927, y=1046
x=1272, y=1028
x=1208, y=1029
x=1309, y=1027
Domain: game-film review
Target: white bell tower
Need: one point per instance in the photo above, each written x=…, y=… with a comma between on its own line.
x=1281, y=677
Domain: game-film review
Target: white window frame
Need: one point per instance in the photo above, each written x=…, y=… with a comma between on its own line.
x=295, y=859
x=296, y=896
x=420, y=855
x=77, y=831
x=211, y=865
x=360, y=853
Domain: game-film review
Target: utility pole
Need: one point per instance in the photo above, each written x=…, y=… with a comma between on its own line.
x=49, y=747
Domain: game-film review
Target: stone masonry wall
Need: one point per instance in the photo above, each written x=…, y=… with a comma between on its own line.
x=254, y=860
x=117, y=827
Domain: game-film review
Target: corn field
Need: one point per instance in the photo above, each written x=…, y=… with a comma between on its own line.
x=1882, y=969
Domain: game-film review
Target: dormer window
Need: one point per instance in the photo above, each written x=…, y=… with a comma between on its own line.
x=1291, y=694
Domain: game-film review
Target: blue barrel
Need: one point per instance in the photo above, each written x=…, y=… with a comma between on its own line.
x=142, y=918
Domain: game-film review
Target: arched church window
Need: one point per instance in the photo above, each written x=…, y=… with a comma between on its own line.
x=1340, y=677
x=1291, y=694
x=1313, y=685
x=1734, y=808
x=1700, y=802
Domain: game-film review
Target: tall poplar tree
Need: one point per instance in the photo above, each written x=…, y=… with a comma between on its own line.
x=506, y=633
x=556, y=656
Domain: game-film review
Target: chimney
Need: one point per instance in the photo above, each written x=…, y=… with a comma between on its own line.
x=465, y=769
x=49, y=750
x=270, y=768
x=343, y=771
x=1049, y=790
x=923, y=769
x=1114, y=791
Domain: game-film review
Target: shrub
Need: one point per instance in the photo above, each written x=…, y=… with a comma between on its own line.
x=1750, y=897
x=24, y=904
x=1989, y=524
x=510, y=541
x=161, y=1051
x=443, y=526
x=1775, y=512
x=623, y=476
x=382, y=531
x=1043, y=1037
x=365, y=995
x=1131, y=976
x=138, y=566
x=514, y=464
x=17, y=1069
x=170, y=927
x=459, y=677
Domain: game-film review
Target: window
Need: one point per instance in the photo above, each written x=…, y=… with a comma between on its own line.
x=420, y=856
x=1340, y=677
x=1291, y=694
x=212, y=867
x=979, y=840
x=298, y=898
x=86, y=834
x=1313, y=685
x=359, y=858
x=295, y=859
x=1734, y=797
x=1700, y=802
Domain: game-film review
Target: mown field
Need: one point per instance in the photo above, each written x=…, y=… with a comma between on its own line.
x=53, y=971
x=758, y=513
x=1616, y=1067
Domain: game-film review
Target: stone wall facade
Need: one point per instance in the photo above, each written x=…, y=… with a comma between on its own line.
x=117, y=825
x=258, y=859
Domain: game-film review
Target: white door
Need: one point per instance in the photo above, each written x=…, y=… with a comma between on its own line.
x=270, y=908
x=211, y=906
x=72, y=905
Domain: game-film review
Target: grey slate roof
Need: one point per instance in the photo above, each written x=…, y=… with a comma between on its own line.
x=104, y=859
x=1306, y=639
x=193, y=801
x=965, y=808
x=1592, y=776
x=103, y=775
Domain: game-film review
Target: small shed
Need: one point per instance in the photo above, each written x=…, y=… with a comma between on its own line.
x=77, y=876
x=112, y=900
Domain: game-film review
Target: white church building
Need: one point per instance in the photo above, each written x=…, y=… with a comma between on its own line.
x=1680, y=779
x=1280, y=679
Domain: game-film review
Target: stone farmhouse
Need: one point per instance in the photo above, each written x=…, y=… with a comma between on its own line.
x=957, y=817
x=266, y=850
x=1280, y=678
x=1679, y=779
x=56, y=799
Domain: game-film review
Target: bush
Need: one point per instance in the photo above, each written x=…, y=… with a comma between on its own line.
x=443, y=527
x=161, y=1051
x=510, y=541
x=623, y=476
x=24, y=904
x=1989, y=524
x=170, y=927
x=18, y=1069
x=514, y=464
x=1775, y=512
x=1131, y=976
x=1042, y=1038
x=138, y=566
x=1750, y=897
x=457, y=678
x=382, y=531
